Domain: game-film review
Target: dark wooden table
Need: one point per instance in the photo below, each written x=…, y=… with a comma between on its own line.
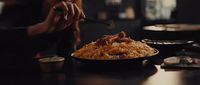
x=119, y=73
x=78, y=73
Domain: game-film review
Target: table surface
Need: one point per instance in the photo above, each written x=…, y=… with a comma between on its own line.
x=79, y=73
x=75, y=72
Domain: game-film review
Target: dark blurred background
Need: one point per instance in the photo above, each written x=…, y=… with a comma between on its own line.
x=122, y=15
x=132, y=15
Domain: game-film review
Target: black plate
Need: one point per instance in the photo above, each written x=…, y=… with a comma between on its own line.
x=136, y=60
x=167, y=42
x=168, y=47
x=173, y=27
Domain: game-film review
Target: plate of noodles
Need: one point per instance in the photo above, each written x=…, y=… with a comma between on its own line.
x=116, y=47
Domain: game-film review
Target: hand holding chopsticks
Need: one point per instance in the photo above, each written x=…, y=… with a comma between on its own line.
x=60, y=16
x=82, y=17
x=64, y=14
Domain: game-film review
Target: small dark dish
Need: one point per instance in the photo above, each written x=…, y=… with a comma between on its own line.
x=193, y=49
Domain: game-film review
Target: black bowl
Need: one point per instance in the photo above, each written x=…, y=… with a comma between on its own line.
x=168, y=47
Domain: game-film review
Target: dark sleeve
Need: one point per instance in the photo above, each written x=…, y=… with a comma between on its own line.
x=66, y=43
x=16, y=40
x=13, y=39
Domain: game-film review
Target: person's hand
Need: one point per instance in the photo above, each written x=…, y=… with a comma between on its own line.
x=70, y=14
x=55, y=20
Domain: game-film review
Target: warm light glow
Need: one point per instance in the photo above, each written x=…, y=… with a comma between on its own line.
x=1, y=6
x=165, y=78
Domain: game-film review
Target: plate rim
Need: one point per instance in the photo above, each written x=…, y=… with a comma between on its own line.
x=141, y=58
x=186, y=42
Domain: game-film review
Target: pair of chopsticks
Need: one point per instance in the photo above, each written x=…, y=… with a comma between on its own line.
x=86, y=19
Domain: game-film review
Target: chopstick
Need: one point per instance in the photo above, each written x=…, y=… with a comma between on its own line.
x=95, y=21
x=86, y=19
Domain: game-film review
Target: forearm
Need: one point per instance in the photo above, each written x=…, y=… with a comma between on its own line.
x=77, y=30
x=37, y=29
